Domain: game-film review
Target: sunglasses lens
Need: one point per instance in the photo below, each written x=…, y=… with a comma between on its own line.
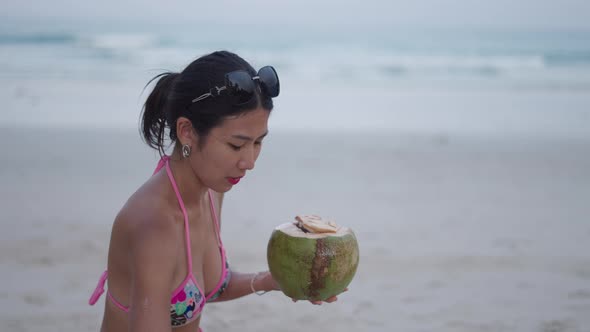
x=240, y=86
x=269, y=81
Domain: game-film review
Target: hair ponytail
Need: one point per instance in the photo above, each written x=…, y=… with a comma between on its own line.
x=154, y=116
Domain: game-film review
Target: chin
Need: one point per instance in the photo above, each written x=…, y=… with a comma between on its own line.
x=221, y=188
x=225, y=189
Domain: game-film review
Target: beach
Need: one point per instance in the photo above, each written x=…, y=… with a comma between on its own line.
x=459, y=155
x=456, y=233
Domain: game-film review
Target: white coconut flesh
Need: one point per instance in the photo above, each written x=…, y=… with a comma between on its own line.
x=313, y=228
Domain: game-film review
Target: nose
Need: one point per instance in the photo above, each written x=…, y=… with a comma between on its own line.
x=247, y=160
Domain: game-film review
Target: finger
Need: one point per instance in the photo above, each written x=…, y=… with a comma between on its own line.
x=316, y=302
x=331, y=299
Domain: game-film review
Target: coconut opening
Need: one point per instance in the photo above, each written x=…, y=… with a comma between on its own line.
x=315, y=224
x=313, y=227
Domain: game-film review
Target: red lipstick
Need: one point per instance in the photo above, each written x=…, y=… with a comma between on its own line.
x=233, y=181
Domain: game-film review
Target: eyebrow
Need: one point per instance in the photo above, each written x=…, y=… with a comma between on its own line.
x=248, y=138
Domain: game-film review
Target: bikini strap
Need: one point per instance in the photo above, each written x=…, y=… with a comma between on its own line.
x=165, y=161
x=161, y=163
x=224, y=270
x=214, y=213
x=187, y=239
x=99, y=288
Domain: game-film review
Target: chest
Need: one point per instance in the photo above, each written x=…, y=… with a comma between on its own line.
x=202, y=256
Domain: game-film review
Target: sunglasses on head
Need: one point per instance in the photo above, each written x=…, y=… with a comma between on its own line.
x=241, y=86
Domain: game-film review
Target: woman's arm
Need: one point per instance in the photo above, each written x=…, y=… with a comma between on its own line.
x=242, y=284
x=152, y=246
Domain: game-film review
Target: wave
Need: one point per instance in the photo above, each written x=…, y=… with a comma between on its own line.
x=112, y=53
x=565, y=58
x=369, y=65
x=441, y=56
x=100, y=41
x=40, y=38
x=123, y=41
x=481, y=65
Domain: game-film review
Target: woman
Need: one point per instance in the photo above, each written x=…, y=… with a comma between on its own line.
x=166, y=258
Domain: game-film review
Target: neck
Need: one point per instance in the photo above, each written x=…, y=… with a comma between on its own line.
x=189, y=185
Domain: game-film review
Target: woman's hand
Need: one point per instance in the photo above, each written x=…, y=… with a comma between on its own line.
x=328, y=300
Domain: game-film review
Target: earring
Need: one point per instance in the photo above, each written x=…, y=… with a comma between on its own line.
x=186, y=150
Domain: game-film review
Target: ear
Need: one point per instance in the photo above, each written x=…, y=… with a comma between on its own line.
x=185, y=131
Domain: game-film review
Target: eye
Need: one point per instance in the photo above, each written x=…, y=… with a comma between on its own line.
x=234, y=147
x=258, y=143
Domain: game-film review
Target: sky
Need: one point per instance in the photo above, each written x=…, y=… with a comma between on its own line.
x=527, y=14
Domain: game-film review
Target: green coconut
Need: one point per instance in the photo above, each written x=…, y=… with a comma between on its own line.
x=312, y=266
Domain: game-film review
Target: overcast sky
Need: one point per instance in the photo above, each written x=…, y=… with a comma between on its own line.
x=564, y=14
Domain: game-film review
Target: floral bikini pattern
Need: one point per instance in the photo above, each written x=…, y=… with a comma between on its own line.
x=186, y=305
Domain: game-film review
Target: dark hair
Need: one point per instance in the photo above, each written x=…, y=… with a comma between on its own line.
x=173, y=93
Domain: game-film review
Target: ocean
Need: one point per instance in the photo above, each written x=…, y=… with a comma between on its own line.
x=412, y=79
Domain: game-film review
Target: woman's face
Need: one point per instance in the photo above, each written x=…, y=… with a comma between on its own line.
x=230, y=150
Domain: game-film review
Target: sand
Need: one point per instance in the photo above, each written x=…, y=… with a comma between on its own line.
x=456, y=233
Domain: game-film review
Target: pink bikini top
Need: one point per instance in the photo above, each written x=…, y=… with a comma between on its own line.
x=188, y=299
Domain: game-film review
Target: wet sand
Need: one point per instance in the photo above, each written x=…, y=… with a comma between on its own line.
x=456, y=233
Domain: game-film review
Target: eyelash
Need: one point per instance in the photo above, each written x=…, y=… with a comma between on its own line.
x=237, y=148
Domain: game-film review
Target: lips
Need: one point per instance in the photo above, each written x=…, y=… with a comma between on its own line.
x=234, y=181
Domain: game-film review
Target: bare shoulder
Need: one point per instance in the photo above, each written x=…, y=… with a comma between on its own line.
x=147, y=225
x=148, y=238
